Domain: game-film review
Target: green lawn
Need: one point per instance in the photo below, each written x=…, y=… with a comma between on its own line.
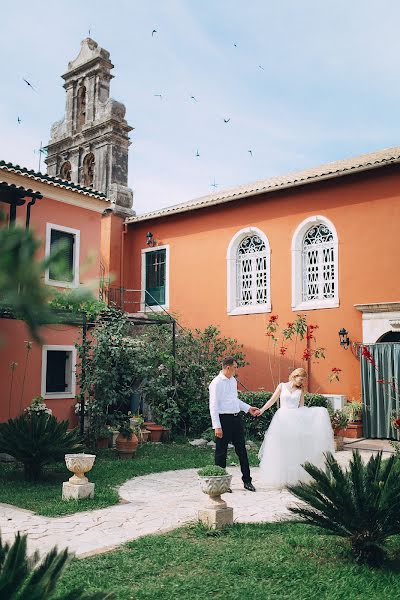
x=247, y=562
x=108, y=473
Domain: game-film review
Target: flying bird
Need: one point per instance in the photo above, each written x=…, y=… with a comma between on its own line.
x=18, y=120
x=250, y=152
x=193, y=98
x=30, y=85
x=261, y=67
x=197, y=153
x=214, y=185
x=235, y=45
x=153, y=32
x=227, y=120
x=159, y=96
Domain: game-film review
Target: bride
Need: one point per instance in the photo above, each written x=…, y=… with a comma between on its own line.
x=296, y=435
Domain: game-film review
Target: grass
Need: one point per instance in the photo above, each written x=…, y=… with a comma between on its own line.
x=108, y=473
x=282, y=561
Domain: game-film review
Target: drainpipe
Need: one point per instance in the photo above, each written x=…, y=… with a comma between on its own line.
x=121, y=268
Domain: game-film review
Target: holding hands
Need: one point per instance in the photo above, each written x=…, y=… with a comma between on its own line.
x=254, y=411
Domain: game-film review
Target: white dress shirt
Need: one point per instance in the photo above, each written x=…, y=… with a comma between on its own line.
x=224, y=399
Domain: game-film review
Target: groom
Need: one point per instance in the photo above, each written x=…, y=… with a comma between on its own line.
x=225, y=408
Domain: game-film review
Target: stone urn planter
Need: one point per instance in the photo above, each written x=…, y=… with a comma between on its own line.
x=78, y=485
x=214, y=486
x=126, y=446
x=79, y=464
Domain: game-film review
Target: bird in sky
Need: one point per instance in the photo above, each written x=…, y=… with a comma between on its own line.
x=193, y=98
x=29, y=84
x=18, y=120
x=227, y=120
x=197, y=153
x=250, y=152
x=261, y=67
x=153, y=32
x=159, y=96
x=214, y=185
x=235, y=45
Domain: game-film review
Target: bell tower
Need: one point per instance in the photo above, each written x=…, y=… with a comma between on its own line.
x=90, y=145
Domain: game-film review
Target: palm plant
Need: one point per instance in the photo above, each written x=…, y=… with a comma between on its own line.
x=361, y=504
x=37, y=439
x=23, y=578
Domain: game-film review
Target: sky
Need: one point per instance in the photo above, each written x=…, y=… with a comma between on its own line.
x=302, y=83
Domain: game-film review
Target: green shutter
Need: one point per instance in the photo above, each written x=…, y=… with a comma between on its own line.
x=62, y=244
x=155, y=277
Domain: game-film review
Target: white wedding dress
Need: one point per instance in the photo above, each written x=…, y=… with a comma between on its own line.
x=296, y=435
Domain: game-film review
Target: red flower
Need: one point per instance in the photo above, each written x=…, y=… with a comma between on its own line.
x=309, y=336
x=336, y=370
x=306, y=354
x=367, y=355
x=396, y=423
x=290, y=325
x=282, y=350
x=273, y=318
x=312, y=327
x=381, y=381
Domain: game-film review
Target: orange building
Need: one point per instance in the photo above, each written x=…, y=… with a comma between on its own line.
x=321, y=242
x=66, y=211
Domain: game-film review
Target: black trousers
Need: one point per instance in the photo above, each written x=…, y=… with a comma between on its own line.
x=232, y=429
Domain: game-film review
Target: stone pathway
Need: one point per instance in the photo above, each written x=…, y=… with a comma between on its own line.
x=152, y=504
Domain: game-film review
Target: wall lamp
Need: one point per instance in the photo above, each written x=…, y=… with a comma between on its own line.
x=344, y=338
x=150, y=241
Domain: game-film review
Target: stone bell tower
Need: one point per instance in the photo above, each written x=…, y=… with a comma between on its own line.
x=90, y=145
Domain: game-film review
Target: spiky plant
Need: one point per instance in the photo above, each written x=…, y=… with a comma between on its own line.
x=25, y=578
x=361, y=503
x=37, y=439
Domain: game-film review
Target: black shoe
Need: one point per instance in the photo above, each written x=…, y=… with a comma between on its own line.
x=249, y=486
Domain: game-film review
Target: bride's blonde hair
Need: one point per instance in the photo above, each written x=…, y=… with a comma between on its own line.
x=297, y=373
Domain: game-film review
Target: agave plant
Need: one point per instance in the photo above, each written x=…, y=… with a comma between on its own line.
x=23, y=578
x=361, y=504
x=37, y=439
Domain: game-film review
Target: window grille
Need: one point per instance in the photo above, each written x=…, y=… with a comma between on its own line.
x=251, y=269
x=318, y=264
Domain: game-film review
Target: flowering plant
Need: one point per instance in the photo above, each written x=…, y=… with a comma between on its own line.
x=286, y=341
x=353, y=410
x=38, y=406
x=339, y=419
x=77, y=408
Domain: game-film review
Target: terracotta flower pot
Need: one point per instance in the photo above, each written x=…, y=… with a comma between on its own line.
x=102, y=442
x=126, y=448
x=156, y=432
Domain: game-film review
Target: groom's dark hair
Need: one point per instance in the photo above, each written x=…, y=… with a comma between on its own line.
x=228, y=361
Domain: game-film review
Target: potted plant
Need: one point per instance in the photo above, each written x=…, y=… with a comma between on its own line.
x=354, y=411
x=214, y=481
x=339, y=421
x=103, y=437
x=127, y=440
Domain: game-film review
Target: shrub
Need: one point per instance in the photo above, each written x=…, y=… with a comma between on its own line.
x=212, y=471
x=22, y=577
x=255, y=427
x=316, y=400
x=361, y=504
x=37, y=439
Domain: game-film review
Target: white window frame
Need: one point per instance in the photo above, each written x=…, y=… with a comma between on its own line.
x=297, y=266
x=65, y=284
x=161, y=307
x=71, y=376
x=231, y=255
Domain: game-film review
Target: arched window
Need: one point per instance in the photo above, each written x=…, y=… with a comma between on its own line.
x=80, y=107
x=315, y=265
x=88, y=170
x=65, y=171
x=248, y=261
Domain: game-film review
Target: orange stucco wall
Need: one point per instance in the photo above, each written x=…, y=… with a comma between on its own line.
x=14, y=334
x=365, y=211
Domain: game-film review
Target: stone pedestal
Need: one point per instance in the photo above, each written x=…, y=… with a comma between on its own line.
x=73, y=491
x=216, y=518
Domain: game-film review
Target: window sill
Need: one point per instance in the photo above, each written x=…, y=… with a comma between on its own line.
x=59, y=396
x=250, y=310
x=155, y=308
x=63, y=284
x=316, y=305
